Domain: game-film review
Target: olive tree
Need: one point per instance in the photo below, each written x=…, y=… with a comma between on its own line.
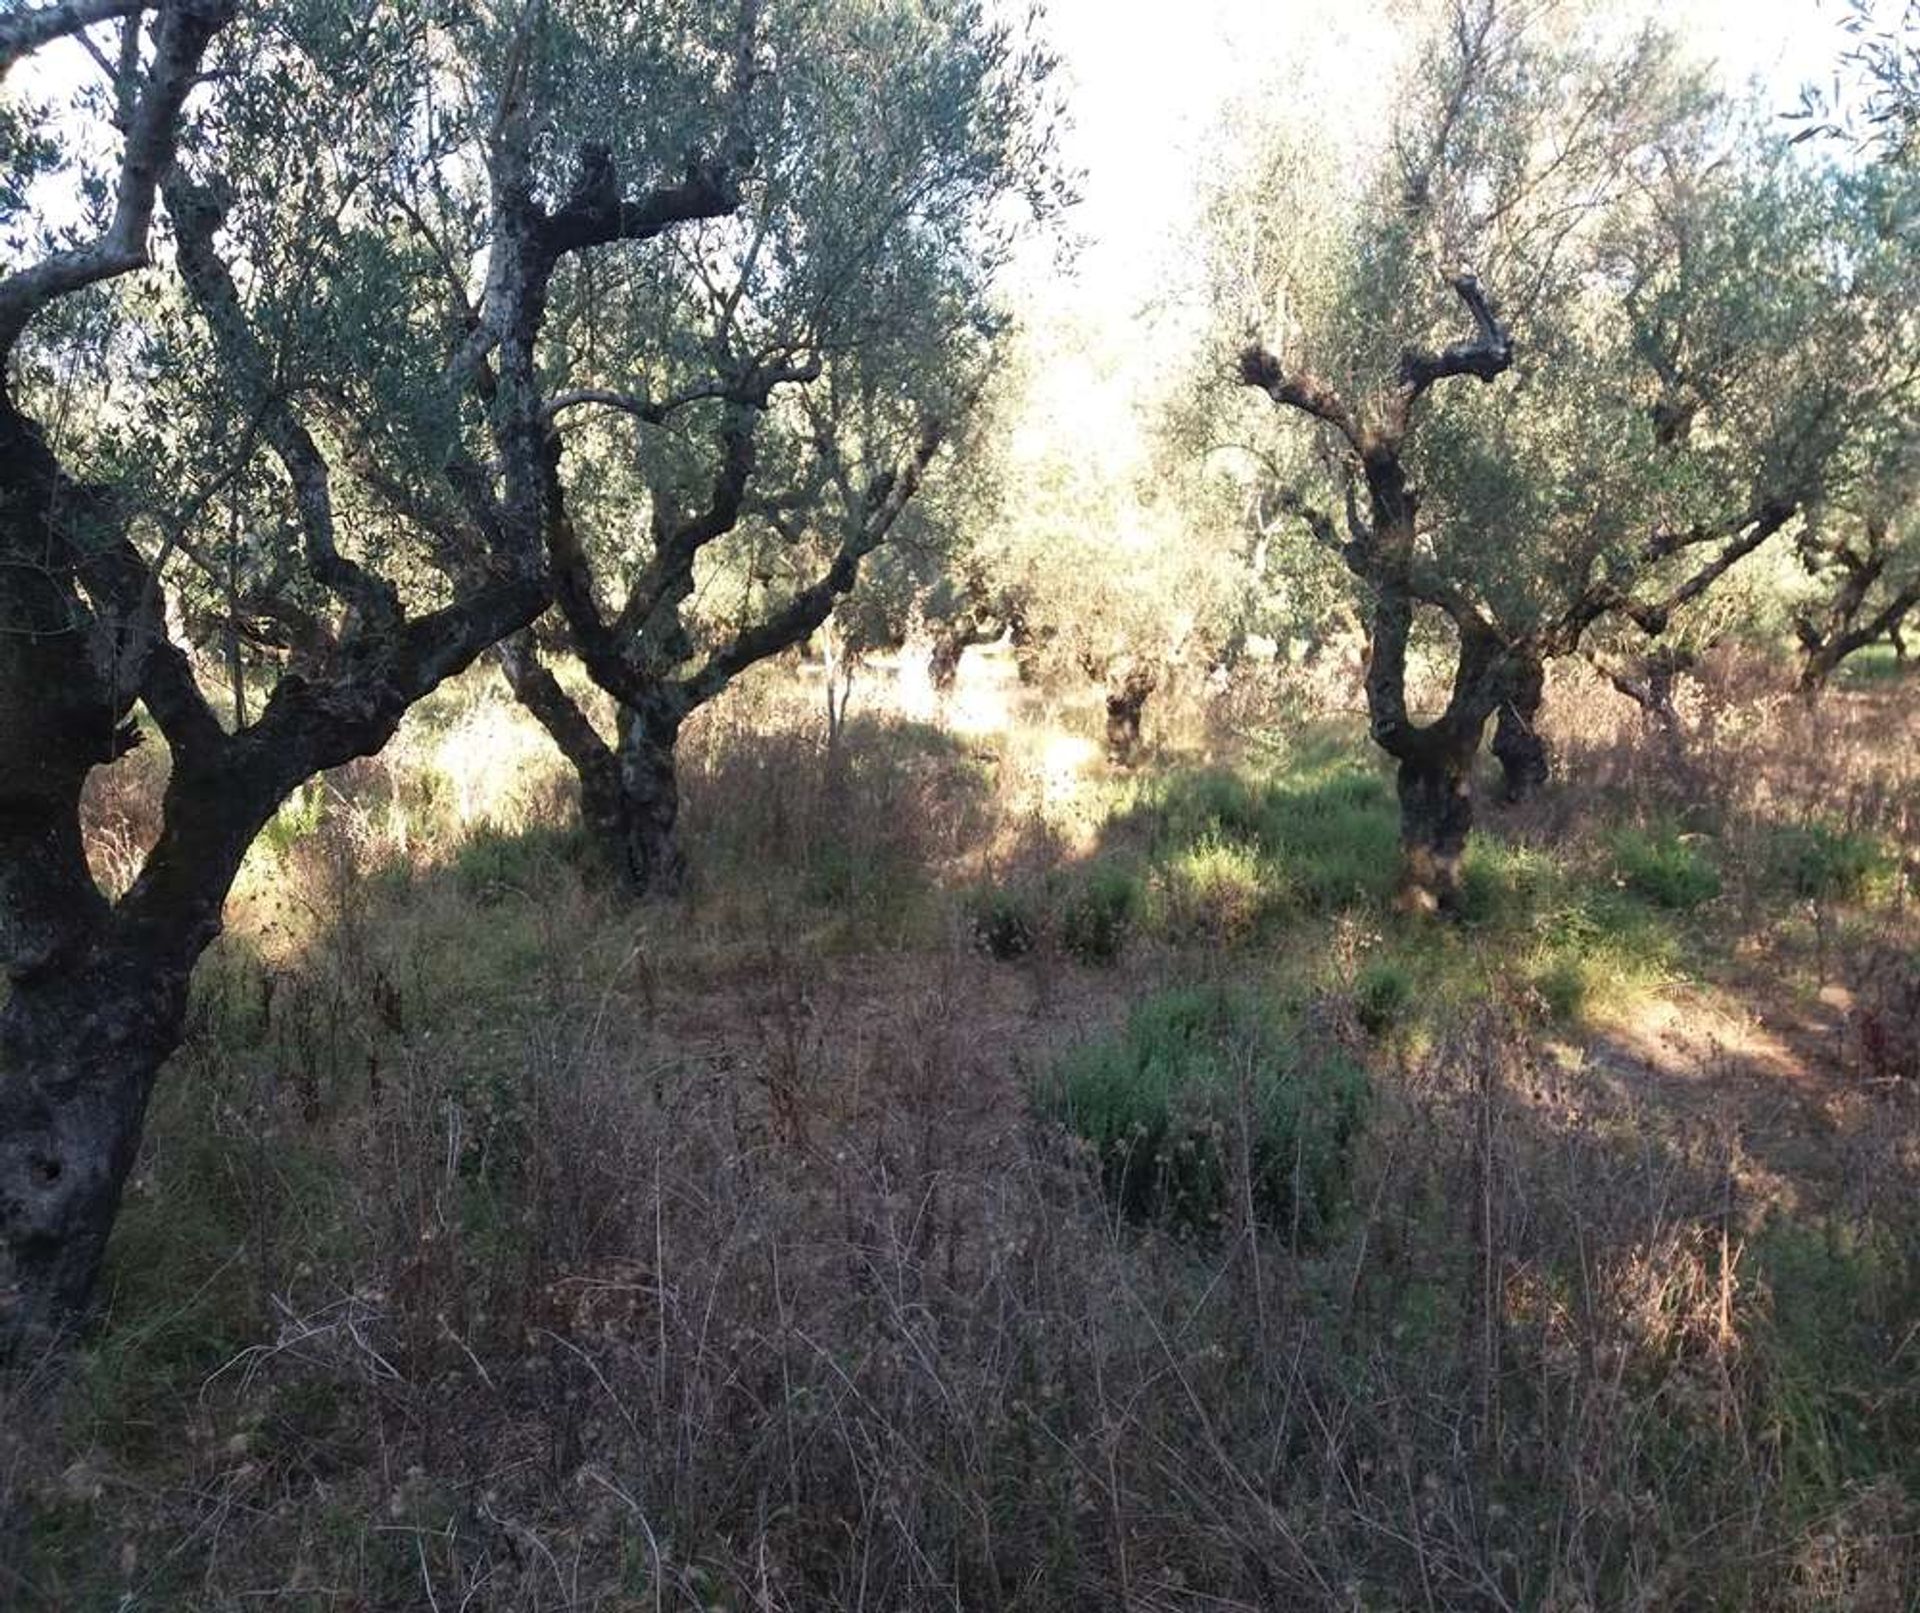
x=1861, y=554
x=778, y=387
x=1670, y=351
x=273, y=313
x=1102, y=558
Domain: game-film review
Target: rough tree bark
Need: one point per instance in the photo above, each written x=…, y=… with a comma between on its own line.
x=1652, y=690
x=951, y=640
x=1436, y=816
x=629, y=790
x=1129, y=685
x=98, y=989
x=650, y=798
x=1518, y=744
x=1434, y=760
x=1826, y=645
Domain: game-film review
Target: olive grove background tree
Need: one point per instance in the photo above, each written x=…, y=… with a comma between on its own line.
x=760, y=404
x=1673, y=344
x=1862, y=556
x=251, y=373
x=1102, y=557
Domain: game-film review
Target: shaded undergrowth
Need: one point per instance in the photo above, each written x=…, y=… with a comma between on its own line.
x=497, y=1246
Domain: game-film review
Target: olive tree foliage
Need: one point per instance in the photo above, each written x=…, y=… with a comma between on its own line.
x=1570, y=346
x=1739, y=366
x=1861, y=557
x=1861, y=554
x=1098, y=557
x=760, y=405
x=273, y=319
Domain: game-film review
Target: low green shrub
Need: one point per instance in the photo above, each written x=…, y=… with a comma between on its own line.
x=1214, y=805
x=492, y=864
x=1201, y=1105
x=1004, y=923
x=300, y=816
x=1098, y=914
x=1565, y=986
x=1323, y=834
x=1382, y=992
x=1503, y=883
x=1817, y=862
x=1216, y=891
x=1833, y=1295
x=1336, y=839
x=1600, y=951
x=1665, y=867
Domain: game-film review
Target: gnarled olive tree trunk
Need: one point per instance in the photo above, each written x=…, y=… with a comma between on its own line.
x=629, y=790
x=1129, y=686
x=95, y=991
x=640, y=656
x=1518, y=744
x=650, y=803
x=1436, y=816
x=1435, y=759
x=83, y=1035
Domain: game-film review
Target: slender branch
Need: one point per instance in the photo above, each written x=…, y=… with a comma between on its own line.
x=119, y=575
x=185, y=30
x=196, y=215
x=536, y=688
x=1769, y=519
x=1355, y=553
x=885, y=500
x=1486, y=355
x=26, y=31
x=755, y=388
x=596, y=215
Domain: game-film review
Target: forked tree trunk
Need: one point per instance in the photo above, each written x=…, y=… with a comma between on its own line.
x=1434, y=761
x=943, y=661
x=1517, y=742
x=1653, y=691
x=1825, y=655
x=97, y=1004
x=629, y=791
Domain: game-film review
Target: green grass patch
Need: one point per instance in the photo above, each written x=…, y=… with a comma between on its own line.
x=300, y=816
x=1203, y=1104
x=1872, y=663
x=1217, y=890
x=1230, y=849
x=1383, y=991
x=1836, y=1299
x=1098, y=911
x=491, y=865
x=1004, y=923
x=1660, y=864
x=1502, y=884
x=1815, y=861
x=1599, y=952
